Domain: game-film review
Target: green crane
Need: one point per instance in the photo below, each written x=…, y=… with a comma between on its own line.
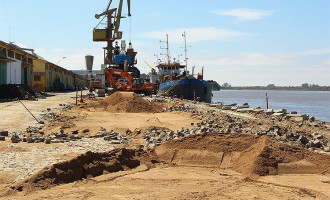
x=111, y=33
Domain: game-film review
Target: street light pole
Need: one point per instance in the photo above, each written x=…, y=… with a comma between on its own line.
x=60, y=60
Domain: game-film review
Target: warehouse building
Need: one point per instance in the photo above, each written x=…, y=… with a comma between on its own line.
x=22, y=66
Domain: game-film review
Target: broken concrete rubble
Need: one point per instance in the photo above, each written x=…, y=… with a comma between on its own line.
x=3, y=133
x=230, y=124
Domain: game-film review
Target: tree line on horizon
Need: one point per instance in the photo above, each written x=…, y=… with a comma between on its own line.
x=304, y=86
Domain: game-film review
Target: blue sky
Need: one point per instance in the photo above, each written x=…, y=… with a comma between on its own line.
x=255, y=42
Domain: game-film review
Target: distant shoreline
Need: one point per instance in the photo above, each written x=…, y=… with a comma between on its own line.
x=327, y=88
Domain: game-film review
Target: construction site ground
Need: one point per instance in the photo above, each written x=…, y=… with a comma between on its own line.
x=203, y=166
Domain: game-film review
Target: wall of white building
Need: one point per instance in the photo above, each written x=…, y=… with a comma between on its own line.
x=14, y=72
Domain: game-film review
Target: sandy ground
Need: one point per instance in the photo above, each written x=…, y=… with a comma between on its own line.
x=121, y=122
x=14, y=117
x=175, y=183
x=162, y=182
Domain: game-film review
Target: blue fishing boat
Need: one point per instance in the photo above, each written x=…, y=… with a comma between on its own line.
x=174, y=80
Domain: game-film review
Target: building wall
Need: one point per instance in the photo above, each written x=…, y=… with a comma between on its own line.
x=39, y=74
x=19, y=69
x=60, y=79
x=14, y=72
x=92, y=74
x=17, y=66
x=3, y=73
x=27, y=74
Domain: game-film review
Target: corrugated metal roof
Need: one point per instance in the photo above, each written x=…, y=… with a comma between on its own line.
x=14, y=46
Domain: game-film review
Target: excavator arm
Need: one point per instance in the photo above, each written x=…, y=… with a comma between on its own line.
x=136, y=85
x=114, y=74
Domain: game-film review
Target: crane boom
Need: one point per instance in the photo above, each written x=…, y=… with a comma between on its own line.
x=118, y=18
x=111, y=32
x=152, y=69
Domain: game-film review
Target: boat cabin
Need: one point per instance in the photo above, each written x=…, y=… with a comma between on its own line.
x=170, y=69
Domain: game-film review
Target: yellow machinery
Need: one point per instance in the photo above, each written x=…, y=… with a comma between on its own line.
x=95, y=84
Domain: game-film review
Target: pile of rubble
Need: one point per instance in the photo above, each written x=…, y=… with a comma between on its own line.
x=113, y=137
x=36, y=135
x=13, y=91
x=245, y=108
x=276, y=128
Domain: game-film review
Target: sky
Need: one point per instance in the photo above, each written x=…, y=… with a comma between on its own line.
x=240, y=42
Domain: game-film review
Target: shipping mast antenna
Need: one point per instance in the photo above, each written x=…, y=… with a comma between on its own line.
x=167, y=54
x=185, y=49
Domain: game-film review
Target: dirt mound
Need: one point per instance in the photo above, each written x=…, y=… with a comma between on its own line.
x=126, y=102
x=244, y=153
x=12, y=91
x=86, y=165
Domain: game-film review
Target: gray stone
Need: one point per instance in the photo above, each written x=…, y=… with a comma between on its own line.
x=326, y=149
x=280, y=111
x=269, y=111
x=2, y=138
x=316, y=143
x=303, y=140
x=15, y=139
x=245, y=105
x=245, y=110
x=115, y=142
x=226, y=107
x=303, y=116
x=107, y=138
x=319, y=137
x=278, y=114
x=257, y=110
x=311, y=118
x=30, y=140
x=3, y=133
x=234, y=108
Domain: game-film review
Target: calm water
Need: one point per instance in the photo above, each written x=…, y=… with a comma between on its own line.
x=316, y=103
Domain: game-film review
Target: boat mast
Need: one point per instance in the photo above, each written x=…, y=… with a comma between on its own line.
x=167, y=50
x=185, y=50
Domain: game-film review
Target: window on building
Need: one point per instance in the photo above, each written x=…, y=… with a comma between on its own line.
x=18, y=56
x=10, y=54
x=30, y=61
x=3, y=52
x=37, y=78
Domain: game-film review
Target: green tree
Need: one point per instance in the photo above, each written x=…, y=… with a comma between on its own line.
x=226, y=85
x=271, y=86
x=305, y=85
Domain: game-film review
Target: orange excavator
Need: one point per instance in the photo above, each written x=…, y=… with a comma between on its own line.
x=124, y=81
x=120, y=71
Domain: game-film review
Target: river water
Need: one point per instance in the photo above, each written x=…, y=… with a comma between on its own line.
x=315, y=103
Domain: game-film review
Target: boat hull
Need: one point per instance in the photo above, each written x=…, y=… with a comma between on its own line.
x=191, y=89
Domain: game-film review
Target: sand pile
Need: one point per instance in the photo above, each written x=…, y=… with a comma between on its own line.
x=86, y=165
x=248, y=154
x=126, y=102
x=244, y=153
